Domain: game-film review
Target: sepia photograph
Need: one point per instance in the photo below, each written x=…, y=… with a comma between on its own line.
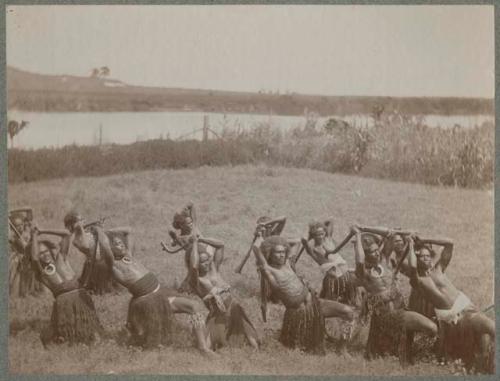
x=278, y=190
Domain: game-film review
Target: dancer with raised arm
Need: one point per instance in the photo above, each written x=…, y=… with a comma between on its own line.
x=152, y=306
x=303, y=323
x=226, y=318
x=74, y=318
x=464, y=331
x=22, y=278
x=339, y=282
x=96, y=276
x=186, y=224
x=389, y=321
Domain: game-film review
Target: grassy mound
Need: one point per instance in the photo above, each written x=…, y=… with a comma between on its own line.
x=229, y=200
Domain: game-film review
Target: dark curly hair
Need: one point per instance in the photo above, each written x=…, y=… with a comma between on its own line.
x=263, y=219
x=368, y=239
x=315, y=225
x=272, y=241
x=71, y=218
x=419, y=246
x=180, y=219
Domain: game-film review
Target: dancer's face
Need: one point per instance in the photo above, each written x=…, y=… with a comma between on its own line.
x=188, y=225
x=278, y=255
x=205, y=262
x=18, y=224
x=119, y=248
x=372, y=254
x=398, y=244
x=319, y=235
x=46, y=259
x=424, y=259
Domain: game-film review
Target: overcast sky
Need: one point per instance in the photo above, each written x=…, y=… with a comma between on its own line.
x=337, y=50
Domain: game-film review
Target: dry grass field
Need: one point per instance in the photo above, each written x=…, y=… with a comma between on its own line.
x=229, y=200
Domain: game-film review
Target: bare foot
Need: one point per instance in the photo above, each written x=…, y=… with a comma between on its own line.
x=208, y=353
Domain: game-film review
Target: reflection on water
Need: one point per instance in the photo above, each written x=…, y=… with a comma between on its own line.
x=59, y=129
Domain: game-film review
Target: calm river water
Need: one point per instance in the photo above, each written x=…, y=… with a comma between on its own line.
x=59, y=129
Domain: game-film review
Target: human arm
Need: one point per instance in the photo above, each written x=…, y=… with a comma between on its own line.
x=412, y=258
x=104, y=245
x=16, y=239
x=191, y=211
x=57, y=232
x=319, y=259
x=216, y=243
x=445, y=257
x=387, y=246
x=262, y=263
x=295, y=251
x=219, y=249
x=194, y=262
x=27, y=209
x=65, y=236
x=35, y=253
x=359, y=253
x=276, y=225
x=403, y=264
x=125, y=231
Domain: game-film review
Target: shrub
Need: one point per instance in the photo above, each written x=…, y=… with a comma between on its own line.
x=394, y=146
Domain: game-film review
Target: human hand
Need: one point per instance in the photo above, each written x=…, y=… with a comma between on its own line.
x=259, y=230
x=355, y=229
x=35, y=229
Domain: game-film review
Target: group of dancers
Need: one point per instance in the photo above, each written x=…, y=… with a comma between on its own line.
x=368, y=295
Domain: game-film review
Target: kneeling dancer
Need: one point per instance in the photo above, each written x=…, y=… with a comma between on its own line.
x=389, y=321
x=464, y=331
x=151, y=309
x=22, y=277
x=227, y=317
x=303, y=323
x=74, y=318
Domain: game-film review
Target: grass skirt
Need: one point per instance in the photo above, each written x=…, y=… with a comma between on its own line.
x=23, y=278
x=342, y=289
x=100, y=280
x=150, y=319
x=386, y=334
x=419, y=304
x=459, y=341
x=304, y=327
x=74, y=319
x=229, y=326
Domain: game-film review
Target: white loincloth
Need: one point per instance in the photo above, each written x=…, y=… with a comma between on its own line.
x=454, y=314
x=335, y=260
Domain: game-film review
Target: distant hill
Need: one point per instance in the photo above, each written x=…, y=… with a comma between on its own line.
x=39, y=92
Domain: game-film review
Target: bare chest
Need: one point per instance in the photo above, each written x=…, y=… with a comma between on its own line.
x=127, y=270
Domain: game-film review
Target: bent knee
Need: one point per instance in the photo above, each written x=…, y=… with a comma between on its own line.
x=416, y=322
x=347, y=313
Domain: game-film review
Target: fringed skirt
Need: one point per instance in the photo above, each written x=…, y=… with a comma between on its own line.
x=74, y=318
x=341, y=289
x=459, y=341
x=98, y=278
x=150, y=316
x=387, y=334
x=230, y=326
x=304, y=327
x=23, y=279
x=419, y=304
